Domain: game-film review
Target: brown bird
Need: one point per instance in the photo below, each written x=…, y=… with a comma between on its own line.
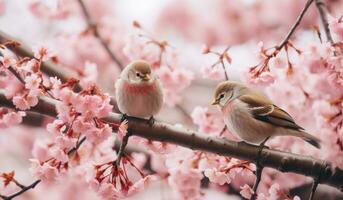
x=138, y=91
x=253, y=117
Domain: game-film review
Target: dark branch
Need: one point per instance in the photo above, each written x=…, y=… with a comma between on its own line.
x=322, y=10
x=92, y=25
x=295, y=25
x=23, y=190
x=282, y=161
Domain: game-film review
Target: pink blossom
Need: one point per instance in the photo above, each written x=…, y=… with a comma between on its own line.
x=59, y=155
x=141, y=184
x=53, y=9
x=108, y=191
x=7, y=61
x=277, y=62
x=56, y=127
x=336, y=25
x=42, y=53
x=98, y=135
x=186, y=183
x=32, y=81
x=174, y=81
x=90, y=75
x=65, y=142
x=122, y=130
x=246, y=191
x=40, y=150
x=215, y=72
x=43, y=171
x=81, y=125
x=216, y=176
x=12, y=118
x=264, y=79
x=208, y=122
x=25, y=102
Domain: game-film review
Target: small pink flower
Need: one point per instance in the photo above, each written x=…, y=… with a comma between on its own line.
x=246, y=191
x=33, y=81
x=278, y=62
x=122, y=129
x=40, y=150
x=43, y=171
x=42, y=53
x=208, y=122
x=59, y=155
x=20, y=103
x=216, y=176
x=7, y=61
x=264, y=79
x=186, y=183
x=13, y=118
x=65, y=142
x=56, y=127
x=98, y=135
x=142, y=183
x=210, y=72
x=336, y=25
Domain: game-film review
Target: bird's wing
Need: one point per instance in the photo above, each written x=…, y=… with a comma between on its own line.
x=262, y=109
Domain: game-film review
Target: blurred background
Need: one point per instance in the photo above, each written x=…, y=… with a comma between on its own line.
x=127, y=26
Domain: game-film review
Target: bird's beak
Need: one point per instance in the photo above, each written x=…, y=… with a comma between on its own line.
x=146, y=77
x=215, y=102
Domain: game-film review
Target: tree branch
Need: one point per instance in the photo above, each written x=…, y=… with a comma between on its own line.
x=23, y=190
x=282, y=161
x=322, y=10
x=295, y=25
x=92, y=25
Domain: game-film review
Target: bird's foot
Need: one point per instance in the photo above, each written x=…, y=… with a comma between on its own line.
x=260, y=148
x=123, y=117
x=151, y=121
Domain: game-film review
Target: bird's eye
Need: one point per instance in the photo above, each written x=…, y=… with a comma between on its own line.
x=137, y=74
x=221, y=96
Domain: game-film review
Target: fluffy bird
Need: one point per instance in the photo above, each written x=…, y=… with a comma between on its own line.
x=253, y=117
x=138, y=91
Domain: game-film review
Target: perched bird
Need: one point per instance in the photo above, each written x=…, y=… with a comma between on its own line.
x=138, y=91
x=253, y=117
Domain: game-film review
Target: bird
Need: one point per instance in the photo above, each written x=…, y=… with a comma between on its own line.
x=253, y=117
x=138, y=91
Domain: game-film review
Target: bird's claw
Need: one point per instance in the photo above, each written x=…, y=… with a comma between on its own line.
x=151, y=121
x=123, y=117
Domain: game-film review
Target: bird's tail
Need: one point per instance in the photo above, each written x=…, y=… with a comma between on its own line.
x=308, y=138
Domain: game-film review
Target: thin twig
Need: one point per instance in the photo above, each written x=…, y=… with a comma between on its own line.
x=92, y=25
x=322, y=10
x=295, y=25
x=258, y=172
x=23, y=190
x=314, y=187
x=122, y=148
x=16, y=74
